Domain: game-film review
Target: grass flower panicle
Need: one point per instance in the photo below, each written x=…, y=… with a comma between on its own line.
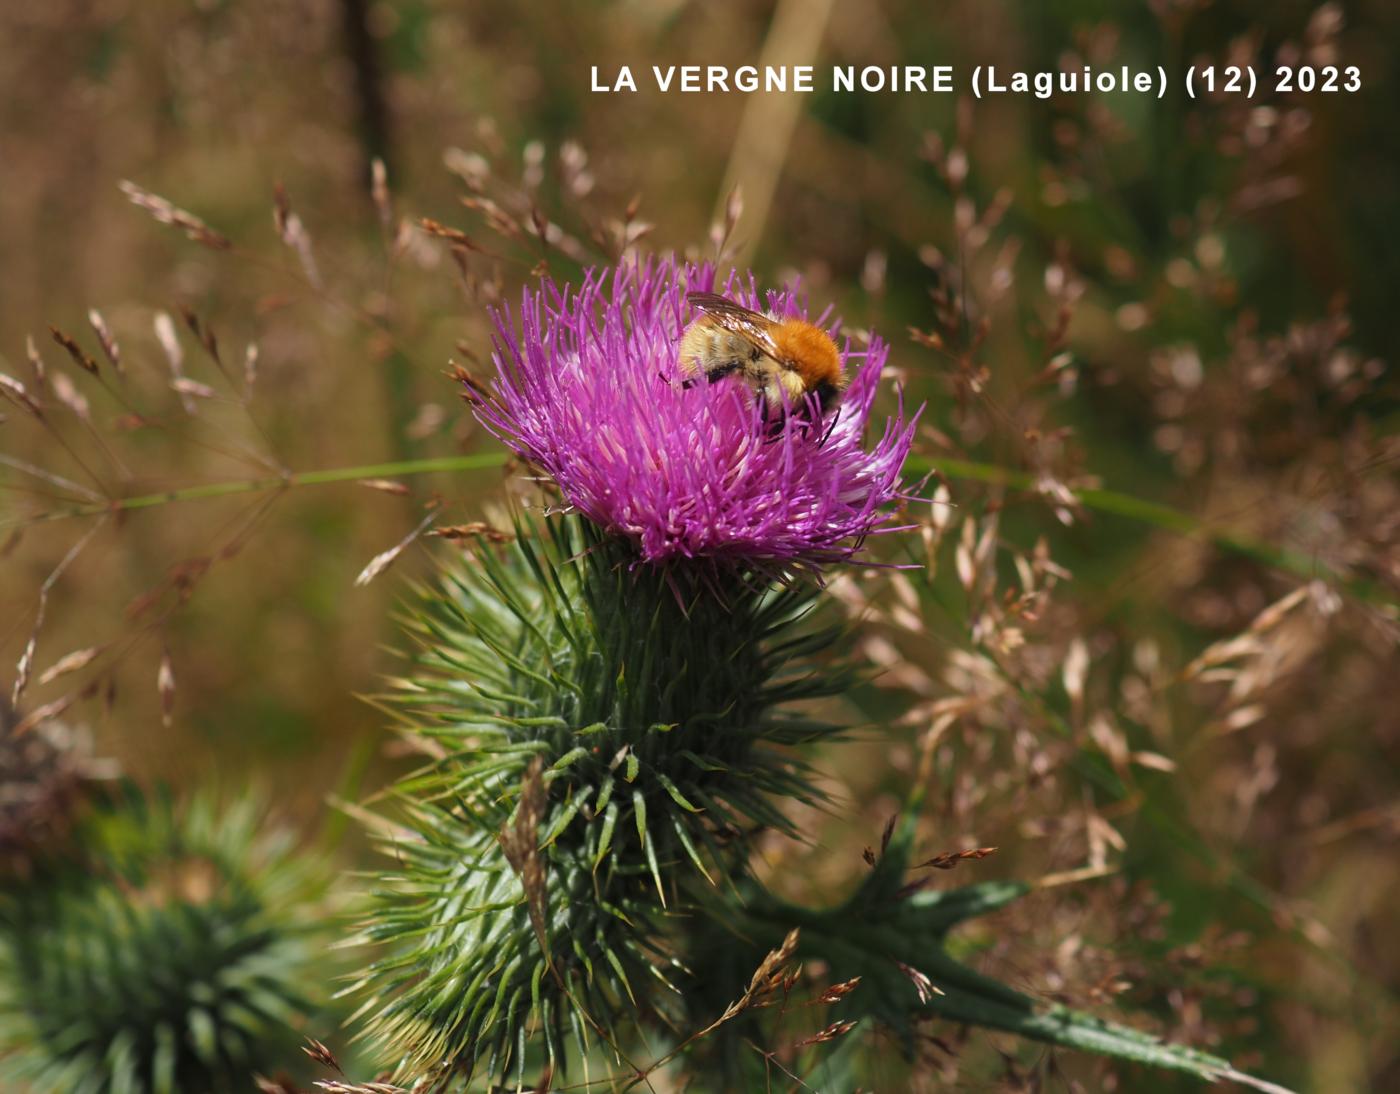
x=587, y=390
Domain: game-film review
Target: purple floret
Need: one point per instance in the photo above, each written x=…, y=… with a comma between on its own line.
x=588, y=390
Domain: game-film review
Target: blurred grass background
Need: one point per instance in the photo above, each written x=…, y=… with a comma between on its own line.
x=1177, y=230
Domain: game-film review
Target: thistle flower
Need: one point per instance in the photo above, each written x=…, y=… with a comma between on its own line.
x=588, y=391
x=171, y=949
x=602, y=738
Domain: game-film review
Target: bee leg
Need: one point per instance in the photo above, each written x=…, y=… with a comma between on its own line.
x=770, y=416
x=829, y=429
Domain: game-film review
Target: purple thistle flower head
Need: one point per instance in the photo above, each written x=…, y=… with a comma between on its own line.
x=588, y=389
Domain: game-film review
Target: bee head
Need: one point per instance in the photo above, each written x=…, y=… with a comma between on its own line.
x=809, y=351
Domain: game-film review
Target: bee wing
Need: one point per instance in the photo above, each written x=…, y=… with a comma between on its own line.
x=754, y=327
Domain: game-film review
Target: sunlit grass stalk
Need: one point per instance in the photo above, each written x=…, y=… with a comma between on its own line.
x=1109, y=502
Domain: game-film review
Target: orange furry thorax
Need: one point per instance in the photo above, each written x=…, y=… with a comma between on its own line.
x=809, y=351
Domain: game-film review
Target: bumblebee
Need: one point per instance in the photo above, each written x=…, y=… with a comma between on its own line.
x=785, y=361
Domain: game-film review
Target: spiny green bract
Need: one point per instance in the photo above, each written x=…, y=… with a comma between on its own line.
x=890, y=939
x=165, y=956
x=651, y=698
